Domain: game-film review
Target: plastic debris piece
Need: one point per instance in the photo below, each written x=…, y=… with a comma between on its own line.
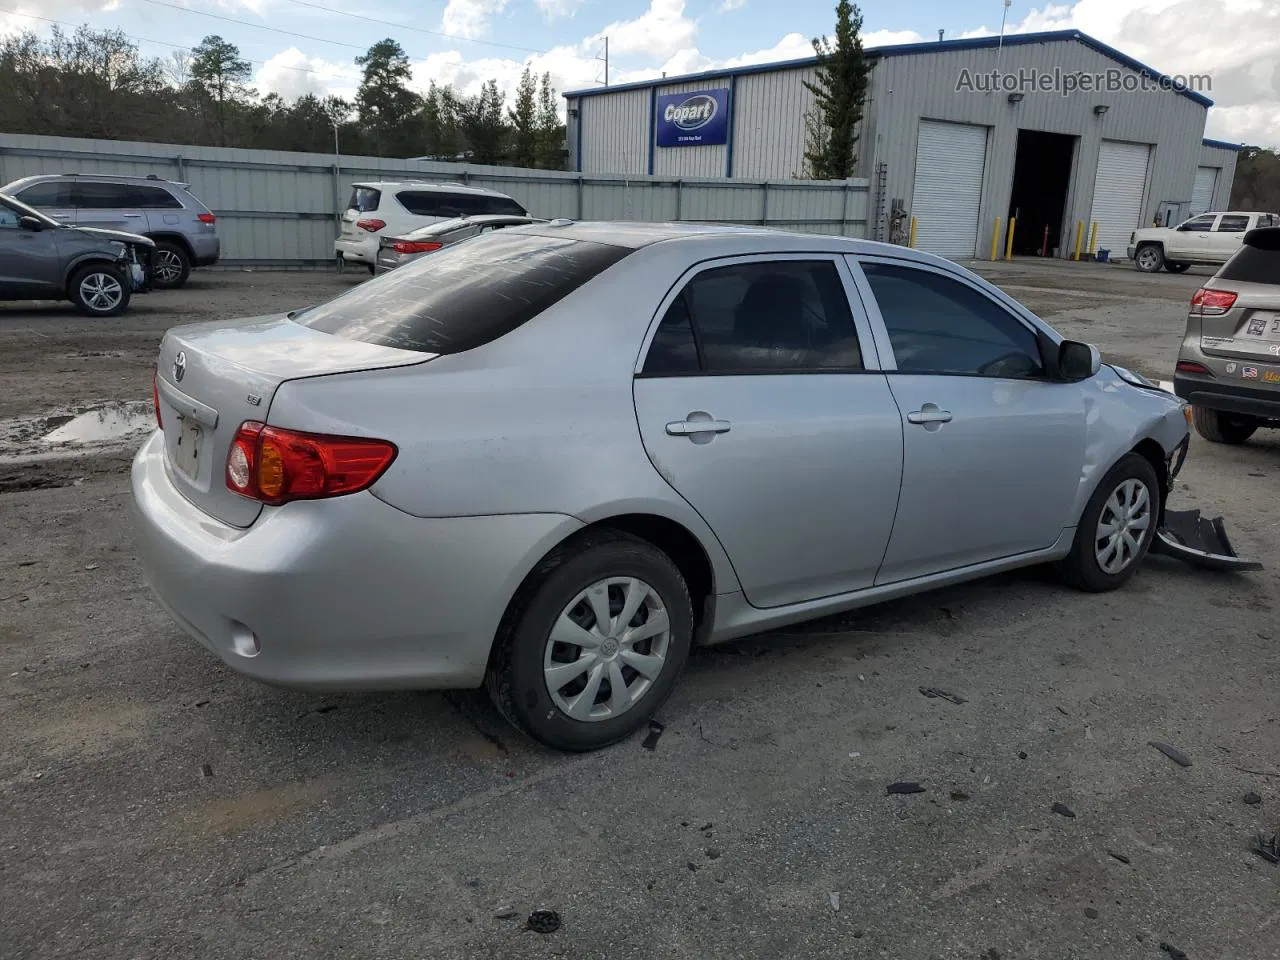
x=1062, y=810
x=504, y=913
x=713, y=853
x=835, y=900
x=959, y=795
x=1173, y=753
x=1022, y=754
x=855, y=755
x=937, y=693
x=905, y=786
x=1173, y=952
x=544, y=921
x=1091, y=913
x=1118, y=856
x=655, y=731
x=1252, y=799
x=207, y=770
x=1268, y=848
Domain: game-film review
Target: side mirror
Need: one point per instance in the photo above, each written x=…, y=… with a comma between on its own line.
x=31, y=223
x=1078, y=361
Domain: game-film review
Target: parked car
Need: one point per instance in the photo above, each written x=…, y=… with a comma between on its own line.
x=1210, y=238
x=552, y=458
x=97, y=270
x=1229, y=364
x=183, y=228
x=397, y=251
x=395, y=209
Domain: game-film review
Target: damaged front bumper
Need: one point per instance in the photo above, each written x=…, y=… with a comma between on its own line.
x=1187, y=535
x=137, y=262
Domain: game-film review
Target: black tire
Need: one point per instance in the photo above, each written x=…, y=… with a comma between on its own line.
x=1149, y=257
x=79, y=290
x=1080, y=568
x=515, y=679
x=1177, y=267
x=171, y=266
x=1218, y=426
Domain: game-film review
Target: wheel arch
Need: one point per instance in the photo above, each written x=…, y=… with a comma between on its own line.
x=173, y=237
x=1154, y=454
x=87, y=260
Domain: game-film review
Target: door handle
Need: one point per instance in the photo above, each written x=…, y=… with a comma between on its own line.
x=691, y=428
x=929, y=413
x=132, y=216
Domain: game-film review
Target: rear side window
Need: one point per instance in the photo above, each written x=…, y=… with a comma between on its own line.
x=1258, y=261
x=364, y=199
x=152, y=198
x=466, y=295
x=52, y=194
x=1232, y=224
x=441, y=203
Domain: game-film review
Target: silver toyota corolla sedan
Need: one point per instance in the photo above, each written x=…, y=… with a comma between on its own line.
x=552, y=458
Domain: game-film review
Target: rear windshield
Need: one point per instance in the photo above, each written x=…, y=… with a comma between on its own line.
x=466, y=295
x=1257, y=261
x=364, y=199
x=441, y=203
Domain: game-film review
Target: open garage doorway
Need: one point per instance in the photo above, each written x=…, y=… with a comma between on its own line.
x=1041, y=178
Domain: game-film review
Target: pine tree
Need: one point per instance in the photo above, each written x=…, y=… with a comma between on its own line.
x=218, y=68
x=524, y=122
x=385, y=102
x=550, y=130
x=839, y=90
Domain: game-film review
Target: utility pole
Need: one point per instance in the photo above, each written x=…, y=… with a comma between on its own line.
x=606, y=61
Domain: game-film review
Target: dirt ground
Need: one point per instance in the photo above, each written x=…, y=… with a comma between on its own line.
x=154, y=804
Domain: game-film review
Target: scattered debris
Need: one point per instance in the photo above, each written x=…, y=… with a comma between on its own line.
x=202, y=703
x=1091, y=913
x=937, y=693
x=651, y=739
x=1063, y=712
x=91, y=566
x=858, y=934
x=905, y=786
x=544, y=921
x=1022, y=754
x=862, y=678
x=1062, y=810
x=1173, y=753
x=693, y=867
x=207, y=770
x=504, y=913
x=712, y=853
x=1259, y=773
x=706, y=826
x=855, y=755
x=993, y=954
x=1268, y=848
x=959, y=795
x=1173, y=952
x=28, y=563
x=1252, y=799
x=720, y=878
x=835, y=900
x=473, y=883
x=1118, y=856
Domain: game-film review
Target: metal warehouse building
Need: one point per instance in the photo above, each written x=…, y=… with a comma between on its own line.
x=942, y=139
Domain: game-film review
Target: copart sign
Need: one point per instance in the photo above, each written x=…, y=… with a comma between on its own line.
x=694, y=119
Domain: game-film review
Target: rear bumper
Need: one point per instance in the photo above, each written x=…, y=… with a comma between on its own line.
x=341, y=594
x=1232, y=398
x=361, y=250
x=205, y=249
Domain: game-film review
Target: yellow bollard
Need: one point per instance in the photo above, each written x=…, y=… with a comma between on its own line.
x=1093, y=237
x=1079, y=238
x=911, y=240
x=995, y=239
x=1008, y=243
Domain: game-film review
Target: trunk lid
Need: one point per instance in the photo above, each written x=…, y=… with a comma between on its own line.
x=212, y=377
x=1250, y=330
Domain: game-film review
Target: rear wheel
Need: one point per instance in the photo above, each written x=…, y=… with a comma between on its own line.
x=1218, y=426
x=593, y=643
x=1177, y=267
x=1116, y=528
x=99, y=290
x=172, y=265
x=1149, y=258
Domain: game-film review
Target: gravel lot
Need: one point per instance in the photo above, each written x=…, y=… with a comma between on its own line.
x=155, y=805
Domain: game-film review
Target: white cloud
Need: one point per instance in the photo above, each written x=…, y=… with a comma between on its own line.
x=729, y=5
x=889, y=38
x=469, y=19
x=70, y=11
x=553, y=9
x=292, y=74
x=660, y=31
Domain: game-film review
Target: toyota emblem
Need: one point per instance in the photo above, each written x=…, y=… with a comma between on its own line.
x=180, y=366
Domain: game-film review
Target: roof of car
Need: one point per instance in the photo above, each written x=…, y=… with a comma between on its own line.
x=1235, y=213
x=114, y=177
x=445, y=187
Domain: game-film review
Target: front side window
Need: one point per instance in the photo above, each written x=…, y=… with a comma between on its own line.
x=780, y=316
x=1233, y=223
x=49, y=194
x=465, y=296
x=9, y=219
x=939, y=325
x=1201, y=223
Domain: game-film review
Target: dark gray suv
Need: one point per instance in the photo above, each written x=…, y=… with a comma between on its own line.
x=183, y=228
x=97, y=270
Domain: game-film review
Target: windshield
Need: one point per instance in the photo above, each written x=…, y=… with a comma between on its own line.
x=22, y=210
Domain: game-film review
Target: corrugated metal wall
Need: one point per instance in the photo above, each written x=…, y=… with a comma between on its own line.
x=768, y=123
x=279, y=208
x=1225, y=161
x=619, y=125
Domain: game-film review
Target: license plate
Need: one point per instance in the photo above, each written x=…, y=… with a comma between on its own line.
x=187, y=453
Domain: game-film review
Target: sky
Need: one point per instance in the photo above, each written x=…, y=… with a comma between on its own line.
x=309, y=46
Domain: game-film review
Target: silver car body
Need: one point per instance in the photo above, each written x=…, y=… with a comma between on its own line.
x=446, y=233
x=826, y=494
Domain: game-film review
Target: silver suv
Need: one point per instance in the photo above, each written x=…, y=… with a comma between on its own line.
x=183, y=228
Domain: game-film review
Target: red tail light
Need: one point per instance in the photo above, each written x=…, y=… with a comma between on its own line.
x=372, y=224
x=276, y=466
x=155, y=398
x=1211, y=303
x=416, y=246
x=1190, y=366
x=207, y=218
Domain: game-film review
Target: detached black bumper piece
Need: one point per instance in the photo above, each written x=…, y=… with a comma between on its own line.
x=1200, y=542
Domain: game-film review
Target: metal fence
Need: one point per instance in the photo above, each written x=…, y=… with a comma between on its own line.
x=280, y=209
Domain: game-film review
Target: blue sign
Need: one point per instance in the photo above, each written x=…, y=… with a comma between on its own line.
x=697, y=119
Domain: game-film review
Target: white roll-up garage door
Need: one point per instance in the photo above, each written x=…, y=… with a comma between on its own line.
x=949, y=162
x=1202, y=191
x=1117, y=193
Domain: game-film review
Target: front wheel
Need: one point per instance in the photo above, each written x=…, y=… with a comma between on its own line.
x=1217, y=426
x=1149, y=258
x=1116, y=528
x=593, y=643
x=99, y=290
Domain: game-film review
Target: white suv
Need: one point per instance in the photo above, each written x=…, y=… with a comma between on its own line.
x=395, y=208
x=1206, y=238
